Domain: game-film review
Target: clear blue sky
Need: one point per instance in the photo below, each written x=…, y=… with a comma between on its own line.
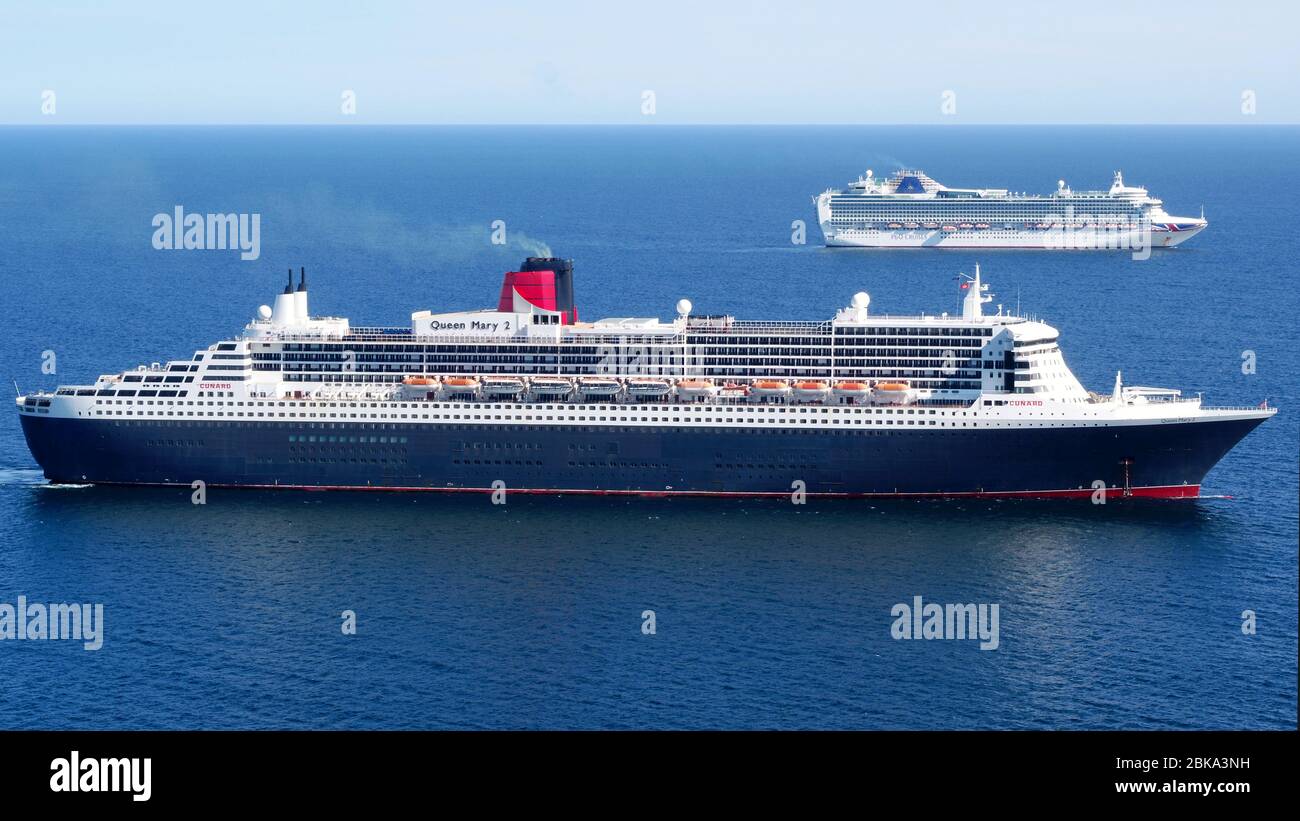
x=481, y=62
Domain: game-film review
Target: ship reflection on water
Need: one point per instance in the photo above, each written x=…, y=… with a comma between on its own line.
x=530, y=613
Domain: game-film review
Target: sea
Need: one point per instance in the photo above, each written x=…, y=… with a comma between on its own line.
x=351, y=610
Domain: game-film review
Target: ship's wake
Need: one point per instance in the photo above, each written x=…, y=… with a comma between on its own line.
x=32, y=477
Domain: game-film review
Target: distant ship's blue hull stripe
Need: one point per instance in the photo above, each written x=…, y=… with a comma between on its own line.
x=1035, y=461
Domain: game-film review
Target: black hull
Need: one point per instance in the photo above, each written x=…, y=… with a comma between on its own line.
x=1144, y=460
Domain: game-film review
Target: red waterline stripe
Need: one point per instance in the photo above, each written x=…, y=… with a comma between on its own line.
x=1150, y=492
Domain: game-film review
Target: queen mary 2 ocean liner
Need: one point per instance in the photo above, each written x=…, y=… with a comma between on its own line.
x=911, y=210
x=529, y=398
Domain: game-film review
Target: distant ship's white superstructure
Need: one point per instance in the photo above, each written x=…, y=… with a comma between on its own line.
x=911, y=210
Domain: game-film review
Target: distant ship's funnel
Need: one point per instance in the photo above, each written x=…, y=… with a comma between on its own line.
x=300, y=297
x=286, y=306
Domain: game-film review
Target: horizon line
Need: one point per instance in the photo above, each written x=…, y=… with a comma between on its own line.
x=51, y=123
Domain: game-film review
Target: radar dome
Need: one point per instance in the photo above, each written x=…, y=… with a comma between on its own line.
x=861, y=300
x=264, y=312
x=684, y=307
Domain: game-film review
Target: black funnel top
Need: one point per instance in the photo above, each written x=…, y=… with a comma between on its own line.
x=563, y=269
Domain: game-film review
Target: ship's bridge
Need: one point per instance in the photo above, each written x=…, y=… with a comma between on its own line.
x=1119, y=189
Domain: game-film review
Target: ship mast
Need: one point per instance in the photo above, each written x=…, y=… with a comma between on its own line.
x=972, y=307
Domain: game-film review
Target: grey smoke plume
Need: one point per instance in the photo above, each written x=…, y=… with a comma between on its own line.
x=534, y=248
x=319, y=219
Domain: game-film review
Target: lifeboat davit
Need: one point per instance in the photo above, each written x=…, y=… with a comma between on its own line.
x=852, y=390
x=648, y=387
x=550, y=386
x=764, y=388
x=811, y=390
x=502, y=385
x=599, y=386
x=892, y=392
x=696, y=389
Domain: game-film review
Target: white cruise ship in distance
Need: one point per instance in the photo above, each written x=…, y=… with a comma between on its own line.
x=911, y=210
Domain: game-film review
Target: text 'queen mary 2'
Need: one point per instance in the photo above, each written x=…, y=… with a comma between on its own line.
x=528, y=398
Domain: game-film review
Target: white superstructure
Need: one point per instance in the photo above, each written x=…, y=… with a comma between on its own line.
x=912, y=210
x=970, y=370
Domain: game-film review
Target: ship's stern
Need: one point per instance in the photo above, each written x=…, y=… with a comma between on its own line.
x=823, y=201
x=59, y=445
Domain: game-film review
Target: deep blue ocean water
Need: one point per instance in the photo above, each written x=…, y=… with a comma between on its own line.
x=529, y=615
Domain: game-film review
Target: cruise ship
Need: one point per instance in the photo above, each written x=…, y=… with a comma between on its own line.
x=527, y=397
x=911, y=210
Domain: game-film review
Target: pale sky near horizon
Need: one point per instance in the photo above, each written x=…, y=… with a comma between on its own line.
x=847, y=62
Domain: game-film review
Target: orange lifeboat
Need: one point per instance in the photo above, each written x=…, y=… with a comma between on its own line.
x=696, y=388
x=460, y=384
x=770, y=387
x=811, y=389
x=895, y=392
x=852, y=390
x=419, y=380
